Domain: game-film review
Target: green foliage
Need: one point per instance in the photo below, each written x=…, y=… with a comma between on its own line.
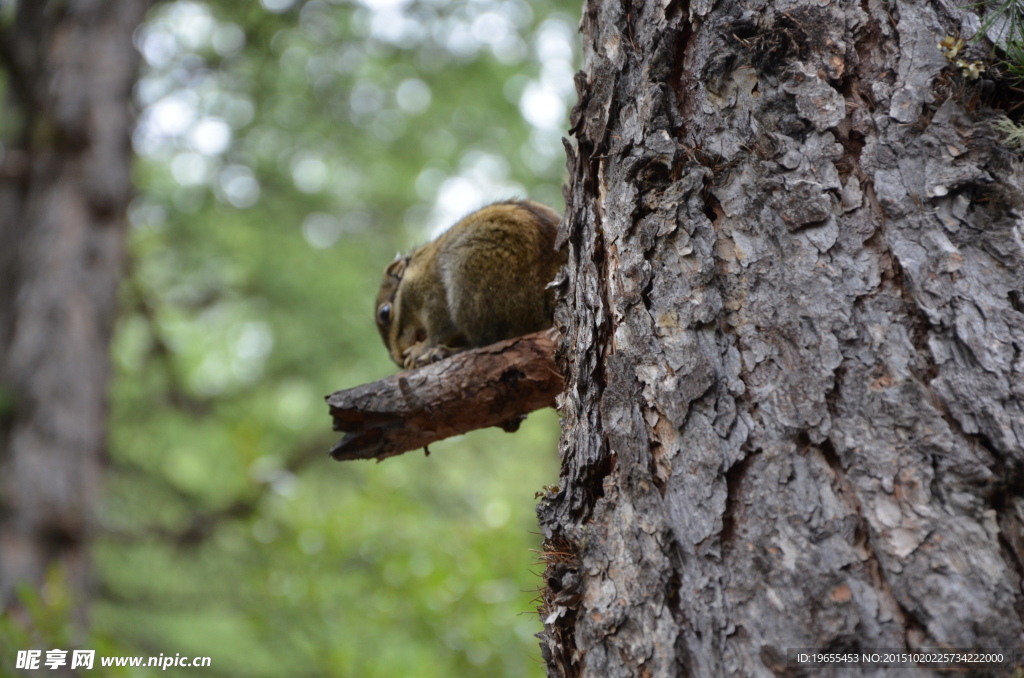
x=1003, y=23
x=286, y=153
x=43, y=620
x=1013, y=134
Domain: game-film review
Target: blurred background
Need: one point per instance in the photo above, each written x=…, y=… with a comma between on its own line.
x=286, y=150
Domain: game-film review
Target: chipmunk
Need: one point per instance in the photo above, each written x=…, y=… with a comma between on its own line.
x=483, y=280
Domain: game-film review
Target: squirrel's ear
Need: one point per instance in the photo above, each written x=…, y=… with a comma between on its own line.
x=397, y=267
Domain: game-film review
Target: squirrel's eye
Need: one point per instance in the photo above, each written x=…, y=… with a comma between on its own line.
x=384, y=314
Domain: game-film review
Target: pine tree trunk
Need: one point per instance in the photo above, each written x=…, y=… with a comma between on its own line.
x=64, y=186
x=794, y=345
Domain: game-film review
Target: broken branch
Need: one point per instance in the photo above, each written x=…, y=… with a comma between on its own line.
x=496, y=385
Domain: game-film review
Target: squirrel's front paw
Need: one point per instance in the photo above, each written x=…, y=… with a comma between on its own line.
x=420, y=355
x=432, y=355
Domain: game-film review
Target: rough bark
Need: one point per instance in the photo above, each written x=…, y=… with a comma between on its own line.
x=64, y=186
x=496, y=385
x=794, y=345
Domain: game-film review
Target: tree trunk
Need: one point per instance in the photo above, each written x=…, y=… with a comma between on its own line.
x=64, y=186
x=794, y=345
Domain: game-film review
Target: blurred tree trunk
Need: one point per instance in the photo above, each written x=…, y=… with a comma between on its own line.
x=794, y=344
x=65, y=182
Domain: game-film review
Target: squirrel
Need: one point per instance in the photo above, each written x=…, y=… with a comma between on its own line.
x=483, y=280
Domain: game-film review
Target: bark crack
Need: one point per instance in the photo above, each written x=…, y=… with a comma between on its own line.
x=734, y=478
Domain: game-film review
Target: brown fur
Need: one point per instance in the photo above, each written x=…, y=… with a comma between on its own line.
x=481, y=281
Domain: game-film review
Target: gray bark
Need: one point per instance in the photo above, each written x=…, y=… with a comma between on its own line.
x=64, y=186
x=793, y=343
